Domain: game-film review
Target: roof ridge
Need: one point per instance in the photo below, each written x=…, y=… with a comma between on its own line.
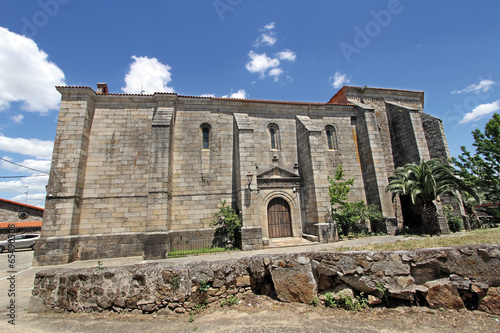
x=214, y=98
x=21, y=204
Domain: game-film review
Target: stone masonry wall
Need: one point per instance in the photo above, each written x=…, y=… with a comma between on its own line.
x=438, y=148
x=457, y=278
x=9, y=212
x=69, y=160
x=373, y=162
x=404, y=141
x=435, y=136
x=135, y=165
x=201, y=178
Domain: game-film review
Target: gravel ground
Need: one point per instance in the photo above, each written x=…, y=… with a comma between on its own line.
x=262, y=314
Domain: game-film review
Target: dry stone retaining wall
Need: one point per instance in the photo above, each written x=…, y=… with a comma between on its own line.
x=459, y=277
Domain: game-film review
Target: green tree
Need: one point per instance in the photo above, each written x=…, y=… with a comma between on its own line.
x=346, y=214
x=227, y=224
x=424, y=183
x=339, y=189
x=482, y=169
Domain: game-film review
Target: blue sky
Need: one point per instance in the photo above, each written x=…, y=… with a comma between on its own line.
x=280, y=50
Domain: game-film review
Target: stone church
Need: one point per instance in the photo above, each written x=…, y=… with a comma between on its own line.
x=138, y=175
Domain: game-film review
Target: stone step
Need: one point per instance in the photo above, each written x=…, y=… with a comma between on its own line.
x=288, y=241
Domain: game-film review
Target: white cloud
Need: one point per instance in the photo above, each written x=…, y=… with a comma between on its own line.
x=260, y=63
x=276, y=72
x=36, y=185
x=483, y=86
x=41, y=165
x=269, y=26
x=239, y=94
x=268, y=37
x=286, y=54
x=339, y=80
x=147, y=75
x=480, y=111
x=30, y=147
x=17, y=119
x=36, y=199
x=27, y=75
x=265, y=39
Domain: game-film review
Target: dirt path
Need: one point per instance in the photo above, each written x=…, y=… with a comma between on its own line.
x=254, y=314
x=266, y=315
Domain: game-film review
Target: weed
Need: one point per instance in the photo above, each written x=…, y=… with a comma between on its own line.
x=381, y=287
x=197, y=308
x=232, y=300
x=347, y=302
x=204, y=286
x=175, y=282
x=315, y=300
x=330, y=301
x=100, y=265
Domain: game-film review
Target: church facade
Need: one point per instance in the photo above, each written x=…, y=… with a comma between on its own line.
x=137, y=174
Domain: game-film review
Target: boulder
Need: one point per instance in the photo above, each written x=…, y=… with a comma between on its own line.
x=441, y=294
x=390, y=267
x=359, y=282
x=491, y=302
x=257, y=266
x=200, y=271
x=243, y=281
x=164, y=312
x=372, y=300
x=328, y=268
x=293, y=281
x=342, y=290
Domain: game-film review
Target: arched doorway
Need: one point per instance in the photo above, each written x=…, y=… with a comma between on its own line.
x=278, y=218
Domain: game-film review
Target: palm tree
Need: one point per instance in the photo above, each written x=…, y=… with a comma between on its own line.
x=424, y=183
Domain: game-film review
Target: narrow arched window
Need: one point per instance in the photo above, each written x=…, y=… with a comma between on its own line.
x=205, y=129
x=274, y=136
x=272, y=132
x=331, y=137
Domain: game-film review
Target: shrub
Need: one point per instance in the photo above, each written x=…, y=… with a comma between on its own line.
x=227, y=223
x=350, y=216
x=232, y=300
x=347, y=302
x=204, y=286
x=330, y=301
x=455, y=223
x=353, y=304
x=175, y=282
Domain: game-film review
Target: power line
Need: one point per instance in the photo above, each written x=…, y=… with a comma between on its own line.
x=23, y=166
x=23, y=176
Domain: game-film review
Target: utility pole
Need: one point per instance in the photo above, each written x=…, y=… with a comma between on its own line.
x=27, y=190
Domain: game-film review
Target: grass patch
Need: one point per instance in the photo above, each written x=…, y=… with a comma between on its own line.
x=183, y=253
x=482, y=236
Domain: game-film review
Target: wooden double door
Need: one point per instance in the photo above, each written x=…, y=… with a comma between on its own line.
x=278, y=217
